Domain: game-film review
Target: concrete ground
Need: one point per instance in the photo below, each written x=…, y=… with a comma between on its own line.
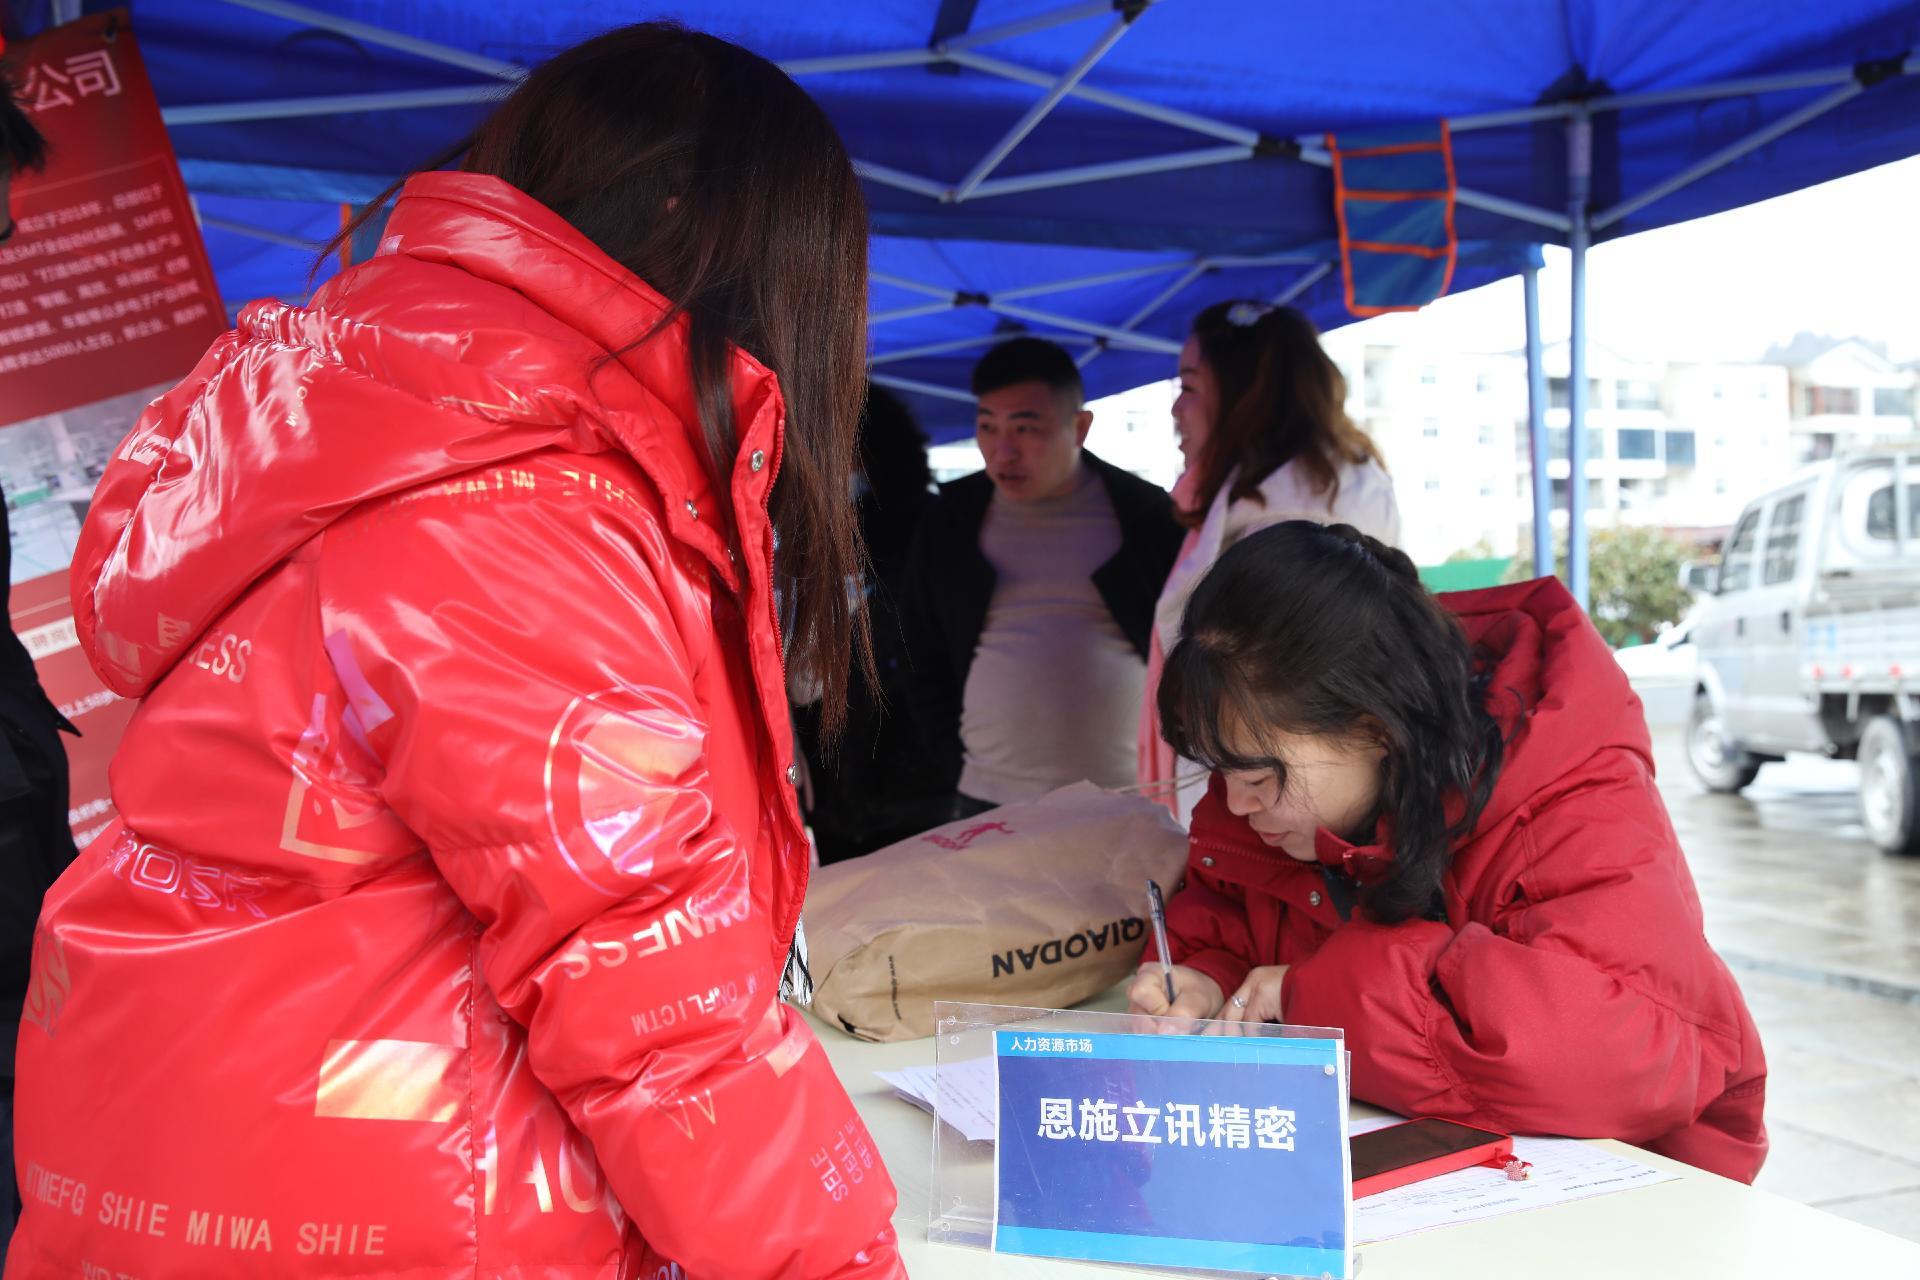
x=1823, y=932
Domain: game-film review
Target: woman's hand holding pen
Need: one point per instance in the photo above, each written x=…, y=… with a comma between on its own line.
x=1195, y=994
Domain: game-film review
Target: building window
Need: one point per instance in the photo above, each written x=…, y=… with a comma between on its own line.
x=1596, y=495
x=1486, y=433
x=1430, y=428
x=1637, y=394
x=1375, y=375
x=1821, y=400
x=1719, y=391
x=1557, y=393
x=1433, y=484
x=1892, y=402
x=1557, y=443
x=1720, y=486
x=1483, y=383
x=1486, y=488
x=1680, y=449
x=1429, y=376
x=1638, y=444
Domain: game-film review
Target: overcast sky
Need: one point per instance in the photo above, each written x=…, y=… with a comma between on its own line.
x=1843, y=259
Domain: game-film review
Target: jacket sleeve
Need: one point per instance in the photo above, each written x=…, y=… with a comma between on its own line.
x=516, y=663
x=1207, y=930
x=933, y=686
x=1591, y=1006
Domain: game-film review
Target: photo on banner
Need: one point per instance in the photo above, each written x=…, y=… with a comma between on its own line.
x=106, y=299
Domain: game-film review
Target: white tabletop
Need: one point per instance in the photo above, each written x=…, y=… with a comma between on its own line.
x=1701, y=1227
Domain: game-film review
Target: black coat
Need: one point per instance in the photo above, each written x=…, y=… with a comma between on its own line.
x=949, y=586
x=36, y=843
x=878, y=787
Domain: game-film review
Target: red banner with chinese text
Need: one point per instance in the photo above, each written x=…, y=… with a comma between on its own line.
x=106, y=298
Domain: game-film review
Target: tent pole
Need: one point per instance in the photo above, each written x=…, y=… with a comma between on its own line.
x=890, y=177
x=1119, y=337
x=1088, y=282
x=1579, y=186
x=1160, y=299
x=368, y=33
x=909, y=313
x=861, y=62
x=1084, y=174
x=1537, y=430
x=293, y=108
x=977, y=340
x=1118, y=101
x=1313, y=277
x=261, y=233
x=1728, y=154
x=1026, y=26
x=912, y=286
x=923, y=388
x=1042, y=109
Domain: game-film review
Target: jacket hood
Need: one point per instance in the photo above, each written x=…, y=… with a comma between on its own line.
x=484, y=329
x=1554, y=686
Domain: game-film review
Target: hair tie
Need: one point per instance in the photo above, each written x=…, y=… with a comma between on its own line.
x=1244, y=315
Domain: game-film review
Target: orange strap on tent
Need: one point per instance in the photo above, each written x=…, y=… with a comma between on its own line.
x=1393, y=199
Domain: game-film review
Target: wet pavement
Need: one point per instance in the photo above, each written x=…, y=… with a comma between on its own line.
x=1823, y=932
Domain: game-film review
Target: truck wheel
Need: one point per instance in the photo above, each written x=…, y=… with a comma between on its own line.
x=1718, y=763
x=1889, y=787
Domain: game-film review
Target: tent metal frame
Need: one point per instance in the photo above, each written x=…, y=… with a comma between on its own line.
x=1578, y=223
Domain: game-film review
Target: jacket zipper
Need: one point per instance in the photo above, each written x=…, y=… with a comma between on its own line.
x=791, y=918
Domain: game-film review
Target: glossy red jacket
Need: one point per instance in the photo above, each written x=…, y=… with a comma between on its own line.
x=1570, y=989
x=458, y=858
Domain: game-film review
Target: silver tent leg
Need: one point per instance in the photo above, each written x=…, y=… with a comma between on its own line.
x=1579, y=186
x=1537, y=430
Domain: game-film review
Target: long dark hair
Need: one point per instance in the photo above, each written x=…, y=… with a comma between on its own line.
x=1278, y=399
x=708, y=173
x=1320, y=630
x=22, y=146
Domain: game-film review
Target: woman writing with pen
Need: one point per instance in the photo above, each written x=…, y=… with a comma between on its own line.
x=1433, y=823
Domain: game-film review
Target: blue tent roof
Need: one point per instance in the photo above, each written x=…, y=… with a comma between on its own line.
x=1238, y=93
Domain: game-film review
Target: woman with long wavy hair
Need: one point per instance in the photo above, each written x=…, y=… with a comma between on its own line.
x=443, y=927
x=1432, y=822
x=1262, y=422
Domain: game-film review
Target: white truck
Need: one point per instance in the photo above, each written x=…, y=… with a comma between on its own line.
x=1810, y=640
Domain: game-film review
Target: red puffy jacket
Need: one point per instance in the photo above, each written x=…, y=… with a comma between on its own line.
x=458, y=857
x=1570, y=989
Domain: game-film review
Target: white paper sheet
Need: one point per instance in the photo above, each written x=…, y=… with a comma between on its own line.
x=1564, y=1169
x=967, y=1094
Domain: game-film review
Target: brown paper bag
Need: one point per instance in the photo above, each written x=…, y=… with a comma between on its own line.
x=1040, y=904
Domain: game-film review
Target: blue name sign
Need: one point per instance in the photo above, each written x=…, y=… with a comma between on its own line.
x=1214, y=1153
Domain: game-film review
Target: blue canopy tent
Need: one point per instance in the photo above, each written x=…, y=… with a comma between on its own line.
x=1097, y=170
